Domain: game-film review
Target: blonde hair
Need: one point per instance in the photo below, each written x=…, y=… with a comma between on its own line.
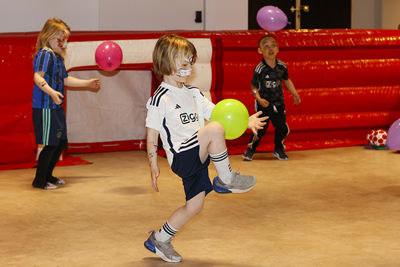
x=170, y=48
x=50, y=30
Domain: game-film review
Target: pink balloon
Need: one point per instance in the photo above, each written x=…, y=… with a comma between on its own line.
x=108, y=55
x=393, y=137
x=271, y=18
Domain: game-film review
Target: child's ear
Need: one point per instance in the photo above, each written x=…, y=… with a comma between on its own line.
x=259, y=51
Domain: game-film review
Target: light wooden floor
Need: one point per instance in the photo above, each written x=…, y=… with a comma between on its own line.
x=329, y=207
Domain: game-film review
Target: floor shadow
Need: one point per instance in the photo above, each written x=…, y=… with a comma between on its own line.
x=187, y=262
x=81, y=177
x=131, y=190
x=393, y=190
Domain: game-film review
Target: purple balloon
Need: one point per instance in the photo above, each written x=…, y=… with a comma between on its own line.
x=393, y=137
x=271, y=18
x=108, y=55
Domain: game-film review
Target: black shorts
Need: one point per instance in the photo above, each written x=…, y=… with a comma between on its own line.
x=50, y=126
x=194, y=174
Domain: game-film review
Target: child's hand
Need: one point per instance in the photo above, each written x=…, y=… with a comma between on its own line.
x=263, y=102
x=296, y=99
x=256, y=123
x=94, y=83
x=155, y=172
x=57, y=97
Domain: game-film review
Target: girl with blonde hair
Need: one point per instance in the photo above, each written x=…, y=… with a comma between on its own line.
x=48, y=114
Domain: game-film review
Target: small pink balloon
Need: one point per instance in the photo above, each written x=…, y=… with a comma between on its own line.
x=108, y=55
x=271, y=18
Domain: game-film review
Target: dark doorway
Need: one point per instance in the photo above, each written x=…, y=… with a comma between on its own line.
x=322, y=15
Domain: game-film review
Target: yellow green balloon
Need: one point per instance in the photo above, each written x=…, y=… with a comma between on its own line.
x=233, y=115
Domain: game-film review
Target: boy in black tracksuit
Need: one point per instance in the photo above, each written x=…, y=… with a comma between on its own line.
x=266, y=86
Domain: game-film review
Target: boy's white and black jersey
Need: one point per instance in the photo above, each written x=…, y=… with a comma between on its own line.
x=177, y=114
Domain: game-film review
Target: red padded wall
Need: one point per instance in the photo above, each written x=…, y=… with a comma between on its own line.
x=17, y=141
x=348, y=80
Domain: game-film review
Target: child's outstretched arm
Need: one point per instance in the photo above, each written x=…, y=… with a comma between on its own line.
x=292, y=89
x=256, y=123
x=75, y=82
x=38, y=78
x=152, y=146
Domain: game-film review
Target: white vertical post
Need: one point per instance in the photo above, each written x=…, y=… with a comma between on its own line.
x=204, y=15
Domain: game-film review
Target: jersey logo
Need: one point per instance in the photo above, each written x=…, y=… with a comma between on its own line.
x=271, y=84
x=177, y=106
x=187, y=118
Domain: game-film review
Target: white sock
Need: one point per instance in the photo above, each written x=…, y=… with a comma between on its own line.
x=222, y=165
x=165, y=232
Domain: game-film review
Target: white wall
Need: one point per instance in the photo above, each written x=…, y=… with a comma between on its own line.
x=390, y=14
x=375, y=14
x=140, y=15
x=152, y=15
x=172, y=15
x=30, y=15
x=93, y=15
x=366, y=14
x=226, y=15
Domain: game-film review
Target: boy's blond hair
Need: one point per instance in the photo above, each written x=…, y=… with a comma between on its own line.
x=169, y=48
x=50, y=30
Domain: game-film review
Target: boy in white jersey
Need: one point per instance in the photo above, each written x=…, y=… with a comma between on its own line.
x=176, y=113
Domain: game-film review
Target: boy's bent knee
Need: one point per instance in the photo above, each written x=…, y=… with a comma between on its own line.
x=216, y=128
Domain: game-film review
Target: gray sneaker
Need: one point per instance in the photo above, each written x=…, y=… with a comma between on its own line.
x=240, y=184
x=163, y=249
